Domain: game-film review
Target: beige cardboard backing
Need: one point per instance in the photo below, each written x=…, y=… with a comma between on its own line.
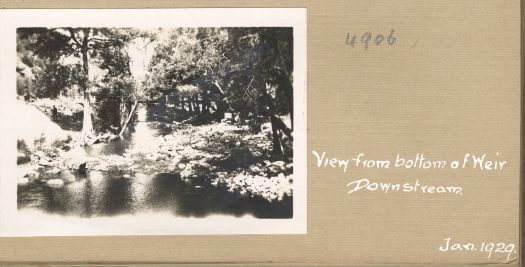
x=450, y=85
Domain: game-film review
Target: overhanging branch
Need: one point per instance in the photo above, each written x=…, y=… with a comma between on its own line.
x=72, y=32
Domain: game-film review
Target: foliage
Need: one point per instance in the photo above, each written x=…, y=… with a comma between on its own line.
x=247, y=67
x=55, y=79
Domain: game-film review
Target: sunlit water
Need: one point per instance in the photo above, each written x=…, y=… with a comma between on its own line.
x=104, y=194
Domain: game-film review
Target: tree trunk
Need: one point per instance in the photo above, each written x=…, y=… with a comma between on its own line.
x=222, y=104
x=87, y=123
x=280, y=125
x=276, y=140
x=129, y=117
x=242, y=116
x=190, y=105
x=196, y=107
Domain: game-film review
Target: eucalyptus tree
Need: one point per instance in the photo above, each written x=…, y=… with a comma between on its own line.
x=83, y=44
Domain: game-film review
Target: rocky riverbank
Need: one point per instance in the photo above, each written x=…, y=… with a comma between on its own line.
x=220, y=154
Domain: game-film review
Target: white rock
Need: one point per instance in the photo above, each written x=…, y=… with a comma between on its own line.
x=22, y=181
x=44, y=162
x=31, y=173
x=39, y=154
x=54, y=171
x=255, y=169
x=279, y=163
x=204, y=165
x=55, y=182
x=187, y=172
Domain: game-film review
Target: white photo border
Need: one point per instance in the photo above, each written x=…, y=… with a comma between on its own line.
x=13, y=223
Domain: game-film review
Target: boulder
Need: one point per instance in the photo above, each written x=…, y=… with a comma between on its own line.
x=55, y=183
x=193, y=170
x=40, y=154
x=82, y=168
x=45, y=162
x=239, y=157
x=281, y=164
x=31, y=173
x=289, y=166
x=22, y=181
x=22, y=157
x=54, y=171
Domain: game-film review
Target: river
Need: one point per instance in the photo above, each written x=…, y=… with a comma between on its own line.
x=104, y=194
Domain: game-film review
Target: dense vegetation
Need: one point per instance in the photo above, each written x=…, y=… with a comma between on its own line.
x=211, y=72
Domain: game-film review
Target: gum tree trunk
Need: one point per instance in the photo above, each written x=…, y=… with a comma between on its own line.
x=87, y=123
x=129, y=117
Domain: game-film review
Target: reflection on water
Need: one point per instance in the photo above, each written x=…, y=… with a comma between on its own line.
x=105, y=194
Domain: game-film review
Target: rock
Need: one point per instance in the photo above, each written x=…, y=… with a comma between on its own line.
x=204, y=165
x=31, y=173
x=273, y=169
x=68, y=177
x=255, y=169
x=187, y=172
x=82, y=168
x=55, y=183
x=281, y=164
x=39, y=154
x=239, y=157
x=195, y=169
x=126, y=175
x=54, y=171
x=238, y=143
x=22, y=157
x=22, y=181
x=181, y=166
x=45, y=162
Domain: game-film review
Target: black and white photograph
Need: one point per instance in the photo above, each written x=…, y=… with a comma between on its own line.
x=182, y=122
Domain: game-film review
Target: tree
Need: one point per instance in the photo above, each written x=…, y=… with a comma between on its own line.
x=85, y=44
x=190, y=56
x=260, y=76
x=141, y=47
x=247, y=70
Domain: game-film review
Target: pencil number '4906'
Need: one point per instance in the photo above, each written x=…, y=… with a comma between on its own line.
x=368, y=39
